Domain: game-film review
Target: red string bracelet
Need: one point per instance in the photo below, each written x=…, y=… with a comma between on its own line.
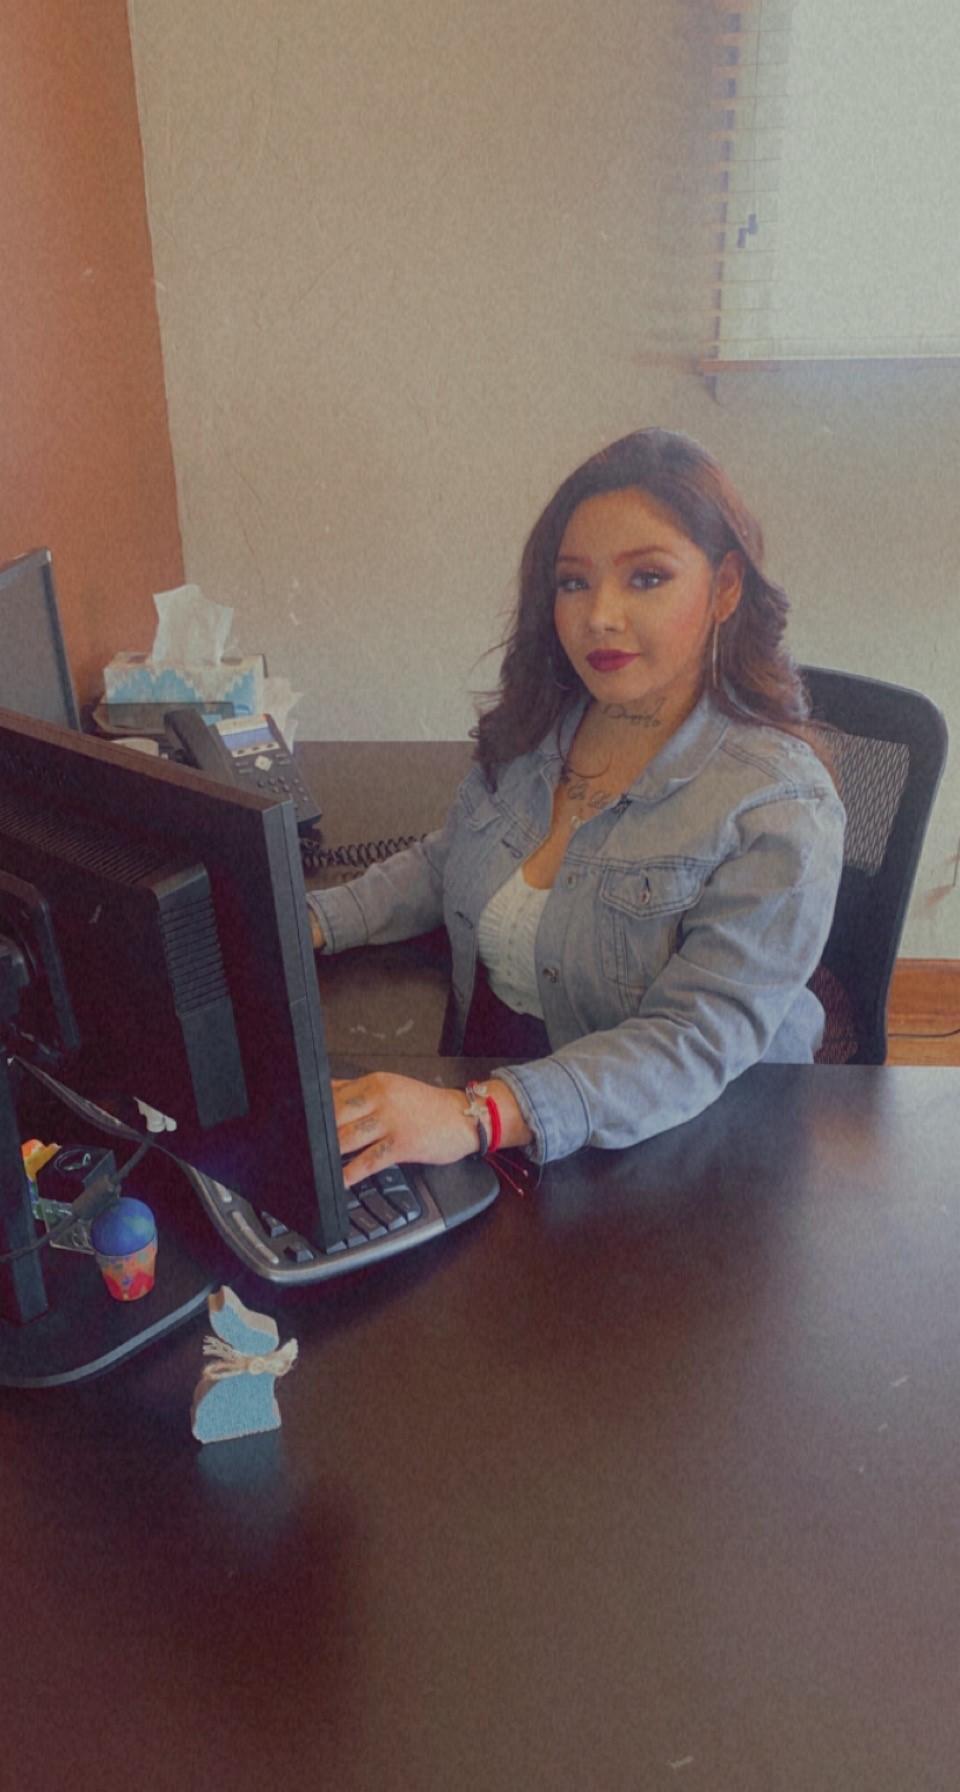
x=479, y=1090
x=511, y=1169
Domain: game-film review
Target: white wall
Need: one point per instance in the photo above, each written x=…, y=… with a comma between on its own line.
x=412, y=260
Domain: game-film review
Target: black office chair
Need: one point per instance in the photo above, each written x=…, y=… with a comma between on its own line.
x=886, y=747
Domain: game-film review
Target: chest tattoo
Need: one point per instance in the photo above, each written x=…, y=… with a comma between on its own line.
x=580, y=790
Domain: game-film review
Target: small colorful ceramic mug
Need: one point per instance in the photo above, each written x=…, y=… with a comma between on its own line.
x=125, y=1241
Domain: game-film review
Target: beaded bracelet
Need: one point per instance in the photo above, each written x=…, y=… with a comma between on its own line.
x=478, y=1113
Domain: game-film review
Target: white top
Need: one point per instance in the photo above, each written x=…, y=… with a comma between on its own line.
x=506, y=938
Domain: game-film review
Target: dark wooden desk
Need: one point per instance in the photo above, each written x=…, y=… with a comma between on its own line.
x=370, y=790
x=391, y=1000
x=650, y=1480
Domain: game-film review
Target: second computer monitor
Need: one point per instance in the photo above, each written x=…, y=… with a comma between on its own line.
x=34, y=674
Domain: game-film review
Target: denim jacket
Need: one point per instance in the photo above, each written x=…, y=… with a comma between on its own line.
x=676, y=942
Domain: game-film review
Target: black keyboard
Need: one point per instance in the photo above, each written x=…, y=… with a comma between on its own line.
x=383, y=1203
x=392, y=1211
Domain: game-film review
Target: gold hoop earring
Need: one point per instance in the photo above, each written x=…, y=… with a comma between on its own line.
x=715, y=656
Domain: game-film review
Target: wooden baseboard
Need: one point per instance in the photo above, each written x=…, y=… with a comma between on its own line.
x=923, y=1012
x=925, y=996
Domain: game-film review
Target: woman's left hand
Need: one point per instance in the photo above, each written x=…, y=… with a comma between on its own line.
x=389, y=1119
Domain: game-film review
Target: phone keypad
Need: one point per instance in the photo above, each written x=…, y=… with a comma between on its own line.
x=277, y=777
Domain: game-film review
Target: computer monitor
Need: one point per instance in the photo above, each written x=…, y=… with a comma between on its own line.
x=34, y=674
x=155, y=948
x=165, y=955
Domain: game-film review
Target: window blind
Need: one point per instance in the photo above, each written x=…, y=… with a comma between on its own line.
x=834, y=196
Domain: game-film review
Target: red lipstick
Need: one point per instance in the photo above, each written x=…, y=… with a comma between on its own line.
x=603, y=661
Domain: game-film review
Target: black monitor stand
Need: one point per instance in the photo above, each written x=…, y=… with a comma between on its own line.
x=22, y=1293
x=58, y=1323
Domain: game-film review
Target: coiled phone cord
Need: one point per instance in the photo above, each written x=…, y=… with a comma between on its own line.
x=355, y=856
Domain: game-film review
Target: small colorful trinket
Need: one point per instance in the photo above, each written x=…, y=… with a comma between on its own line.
x=236, y=1394
x=125, y=1241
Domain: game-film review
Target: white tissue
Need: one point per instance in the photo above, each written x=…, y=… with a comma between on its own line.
x=279, y=698
x=191, y=630
x=191, y=633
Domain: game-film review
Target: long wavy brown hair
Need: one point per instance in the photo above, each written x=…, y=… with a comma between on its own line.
x=757, y=680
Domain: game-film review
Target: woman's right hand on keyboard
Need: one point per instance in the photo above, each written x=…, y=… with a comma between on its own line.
x=316, y=932
x=387, y=1119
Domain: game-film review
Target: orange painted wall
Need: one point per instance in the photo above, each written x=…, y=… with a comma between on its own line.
x=85, y=460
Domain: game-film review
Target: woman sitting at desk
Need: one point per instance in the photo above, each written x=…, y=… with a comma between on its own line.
x=639, y=873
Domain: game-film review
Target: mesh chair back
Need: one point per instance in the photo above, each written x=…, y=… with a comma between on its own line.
x=886, y=747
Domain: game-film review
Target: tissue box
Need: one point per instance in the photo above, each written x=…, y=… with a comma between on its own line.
x=136, y=678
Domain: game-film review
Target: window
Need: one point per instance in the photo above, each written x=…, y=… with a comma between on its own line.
x=835, y=222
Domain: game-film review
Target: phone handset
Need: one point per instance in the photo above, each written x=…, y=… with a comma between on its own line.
x=248, y=751
x=198, y=743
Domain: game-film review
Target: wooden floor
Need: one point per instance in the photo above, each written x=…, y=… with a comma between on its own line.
x=923, y=1012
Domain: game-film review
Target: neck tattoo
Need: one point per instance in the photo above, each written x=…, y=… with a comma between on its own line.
x=640, y=718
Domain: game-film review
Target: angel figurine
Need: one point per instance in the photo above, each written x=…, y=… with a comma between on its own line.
x=236, y=1394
